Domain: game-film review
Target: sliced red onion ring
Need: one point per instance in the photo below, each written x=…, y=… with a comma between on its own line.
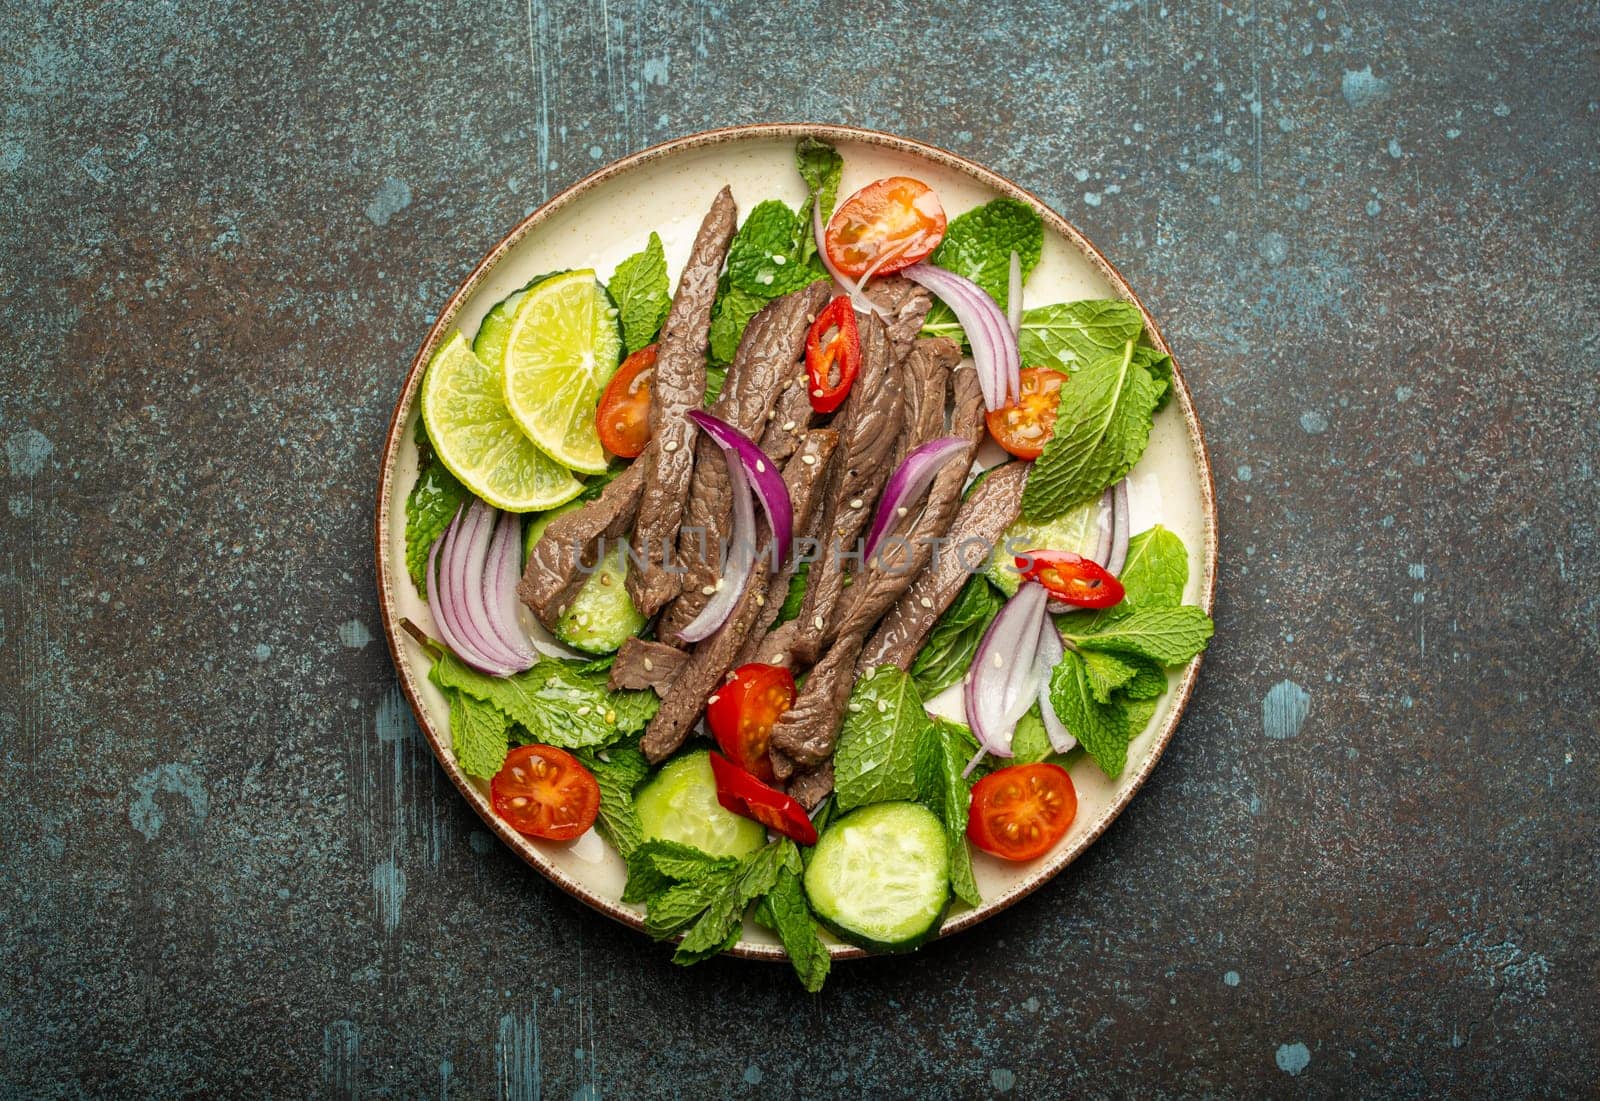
x=1049, y=656
x=1120, y=522
x=762, y=473
x=858, y=300
x=445, y=619
x=501, y=573
x=909, y=482
x=1014, y=295
x=1004, y=669
x=994, y=349
x=465, y=564
x=736, y=567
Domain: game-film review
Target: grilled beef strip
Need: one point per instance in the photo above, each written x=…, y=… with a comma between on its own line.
x=981, y=520
x=772, y=343
x=869, y=431
x=710, y=660
x=565, y=556
x=926, y=371
x=641, y=664
x=806, y=732
x=812, y=786
x=907, y=305
x=791, y=417
x=678, y=385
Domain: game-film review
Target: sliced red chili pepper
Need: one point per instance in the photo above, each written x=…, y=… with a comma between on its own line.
x=1071, y=578
x=837, y=358
x=742, y=793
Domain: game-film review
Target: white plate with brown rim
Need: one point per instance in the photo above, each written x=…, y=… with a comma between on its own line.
x=667, y=189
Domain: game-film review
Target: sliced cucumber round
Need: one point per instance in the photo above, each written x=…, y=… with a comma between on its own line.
x=880, y=876
x=1076, y=530
x=601, y=617
x=679, y=803
x=495, y=328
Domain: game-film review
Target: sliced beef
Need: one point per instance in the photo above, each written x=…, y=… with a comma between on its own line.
x=869, y=430
x=907, y=305
x=773, y=343
x=711, y=659
x=926, y=373
x=641, y=664
x=791, y=417
x=806, y=733
x=980, y=522
x=812, y=786
x=678, y=385
x=565, y=556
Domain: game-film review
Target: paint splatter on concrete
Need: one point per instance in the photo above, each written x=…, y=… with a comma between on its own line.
x=393, y=196
x=341, y=1059
x=753, y=1075
x=389, y=893
x=1231, y=978
x=353, y=634
x=1314, y=422
x=1002, y=1079
x=1293, y=1058
x=1284, y=710
x=1362, y=89
x=145, y=813
x=27, y=451
x=516, y=1056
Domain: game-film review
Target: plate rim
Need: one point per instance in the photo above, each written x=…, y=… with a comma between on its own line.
x=397, y=640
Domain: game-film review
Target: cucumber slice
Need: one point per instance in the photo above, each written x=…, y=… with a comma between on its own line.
x=679, y=803
x=880, y=876
x=1077, y=530
x=495, y=328
x=601, y=617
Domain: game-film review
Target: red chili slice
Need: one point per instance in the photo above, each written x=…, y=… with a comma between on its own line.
x=1071, y=578
x=742, y=793
x=832, y=365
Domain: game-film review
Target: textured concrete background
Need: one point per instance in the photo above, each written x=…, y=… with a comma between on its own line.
x=1369, y=861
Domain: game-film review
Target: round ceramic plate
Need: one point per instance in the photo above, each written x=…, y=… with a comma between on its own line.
x=609, y=215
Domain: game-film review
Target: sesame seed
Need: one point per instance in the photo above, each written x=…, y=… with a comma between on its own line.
x=780, y=259
x=788, y=426
x=761, y=467
x=853, y=708
x=605, y=580
x=901, y=511
x=584, y=710
x=761, y=601
x=707, y=590
x=816, y=393
x=712, y=700
x=648, y=665
x=925, y=602
x=809, y=460
x=777, y=659
x=719, y=584
x=883, y=705
x=856, y=502
x=999, y=662
x=670, y=446
x=611, y=716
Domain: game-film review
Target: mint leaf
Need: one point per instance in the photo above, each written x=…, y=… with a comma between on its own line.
x=639, y=288
x=618, y=774
x=941, y=755
x=1149, y=679
x=653, y=866
x=554, y=705
x=820, y=167
x=629, y=710
x=1154, y=575
x=1073, y=334
x=477, y=735
x=946, y=656
x=733, y=311
x=979, y=244
x=875, y=761
x=1101, y=430
x=430, y=506
x=764, y=259
x=681, y=904
x=1030, y=741
x=1101, y=728
x=1138, y=714
x=1159, y=364
x=795, y=598
x=716, y=379
x=1170, y=636
x=786, y=913
x=1106, y=673
x=719, y=925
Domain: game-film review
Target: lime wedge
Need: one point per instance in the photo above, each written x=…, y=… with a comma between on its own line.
x=564, y=347
x=477, y=440
x=1076, y=530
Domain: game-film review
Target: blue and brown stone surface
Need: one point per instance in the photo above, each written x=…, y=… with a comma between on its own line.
x=229, y=865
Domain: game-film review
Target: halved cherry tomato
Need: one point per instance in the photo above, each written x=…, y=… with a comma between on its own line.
x=1020, y=812
x=897, y=218
x=1071, y=578
x=839, y=356
x=742, y=712
x=544, y=792
x=741, y=793
x=1024, y=428
x=623, y=419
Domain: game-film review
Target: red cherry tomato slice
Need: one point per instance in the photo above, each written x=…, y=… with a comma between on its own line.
x=544, y=792
x=838, y=355
x=897, y=219
x=623, y=418
x=742, y=713
x=1071, y=578
x=741, y=793
x=1024, y=428
x=1019, y=813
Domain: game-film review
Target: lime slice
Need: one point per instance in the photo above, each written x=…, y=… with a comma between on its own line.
x=477, y=440
x=1077, y=530
x=564, y=347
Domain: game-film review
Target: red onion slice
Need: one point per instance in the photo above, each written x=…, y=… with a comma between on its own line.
x=500, y=588
x=909, y=482
x=465, y=562
x=761, y=472
x=994, y=349
x=1003, y=668
x=1014, y=295
x=741, y=556
x=1120, y=521
x=1049, y=656
x=444, y=618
